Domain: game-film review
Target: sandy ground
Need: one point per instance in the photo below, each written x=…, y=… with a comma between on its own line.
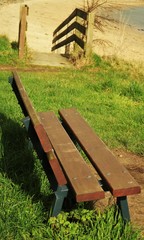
x=44, y=16
x=120, y=40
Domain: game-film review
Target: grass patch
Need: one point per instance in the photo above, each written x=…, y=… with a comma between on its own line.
x=9, y=53
x=111, y=100
x=77, y=225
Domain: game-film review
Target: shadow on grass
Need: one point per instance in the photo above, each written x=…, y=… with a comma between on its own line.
x=14, y=45
x=18, y=162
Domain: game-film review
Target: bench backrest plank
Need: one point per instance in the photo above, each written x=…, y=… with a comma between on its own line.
x=28, y=110
x=120, y=182
x=79, y=174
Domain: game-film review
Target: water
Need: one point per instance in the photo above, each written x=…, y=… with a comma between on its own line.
x=133, y=16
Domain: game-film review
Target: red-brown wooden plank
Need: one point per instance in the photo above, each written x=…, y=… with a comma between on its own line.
x=43, y=138
x=79, y=174
x=25, y=99
x=52, y=159
x=120, y=182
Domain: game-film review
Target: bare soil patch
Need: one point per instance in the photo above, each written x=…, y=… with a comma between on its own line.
x=135, y=165
x=120, y=40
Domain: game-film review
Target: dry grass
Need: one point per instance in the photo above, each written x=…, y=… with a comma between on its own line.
x=92, y=5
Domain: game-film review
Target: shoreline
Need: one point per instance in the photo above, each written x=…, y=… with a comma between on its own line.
x=121, y=41
x=127, y=3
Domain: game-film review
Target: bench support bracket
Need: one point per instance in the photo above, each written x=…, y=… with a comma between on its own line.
x=60, y=194
x=123, y=207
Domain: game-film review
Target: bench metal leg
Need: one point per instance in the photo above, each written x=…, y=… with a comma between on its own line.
x=33, y=141
x=60, y=194
x=123, y=207
x=60, y=191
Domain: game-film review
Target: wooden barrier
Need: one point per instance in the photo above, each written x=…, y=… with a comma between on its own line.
x=22, y=30
x=77, y=28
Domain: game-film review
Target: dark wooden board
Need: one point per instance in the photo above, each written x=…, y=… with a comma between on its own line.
x=25, y=99
x=39, y=129
x=52, y=159
x=72, y=38
x=119, y=180
x=76, y=12
x=64, y=42
x=74, y=25
x=79, y=175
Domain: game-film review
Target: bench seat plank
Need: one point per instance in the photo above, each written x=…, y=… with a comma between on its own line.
x=120, y=182
x=29, y=110
x=24, y=100
x=78, y=173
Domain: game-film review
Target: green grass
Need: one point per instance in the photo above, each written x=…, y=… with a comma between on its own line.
x=111, y=101
x=77, y=225
x=111, y=98
x=9, y=53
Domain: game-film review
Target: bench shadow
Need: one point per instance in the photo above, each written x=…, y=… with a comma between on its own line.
x=18, y=162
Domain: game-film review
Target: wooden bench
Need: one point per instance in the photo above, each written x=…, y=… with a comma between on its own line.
x=69, y=174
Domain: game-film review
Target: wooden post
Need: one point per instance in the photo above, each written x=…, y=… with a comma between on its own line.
x=67, y=49
x=89, y=34
x=53, y=44
x=22, y=29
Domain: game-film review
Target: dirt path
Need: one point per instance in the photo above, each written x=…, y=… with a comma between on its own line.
x=135, y=165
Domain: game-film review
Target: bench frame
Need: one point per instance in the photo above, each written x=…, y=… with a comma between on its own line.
x=51, y=163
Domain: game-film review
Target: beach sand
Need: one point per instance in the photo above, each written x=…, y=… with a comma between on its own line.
x=118, y=39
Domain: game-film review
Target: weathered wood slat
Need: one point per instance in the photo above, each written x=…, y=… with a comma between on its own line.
x=82, y=14
x=79, y=175
x=74, y=25
x=120, y=182
x=64, y=42
x=66, y=21
x=52, y=159
x=79, y=41
x=76, y=12
x=39, y=129
x=22, y=30
x=72, y=38
x=30, y=111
